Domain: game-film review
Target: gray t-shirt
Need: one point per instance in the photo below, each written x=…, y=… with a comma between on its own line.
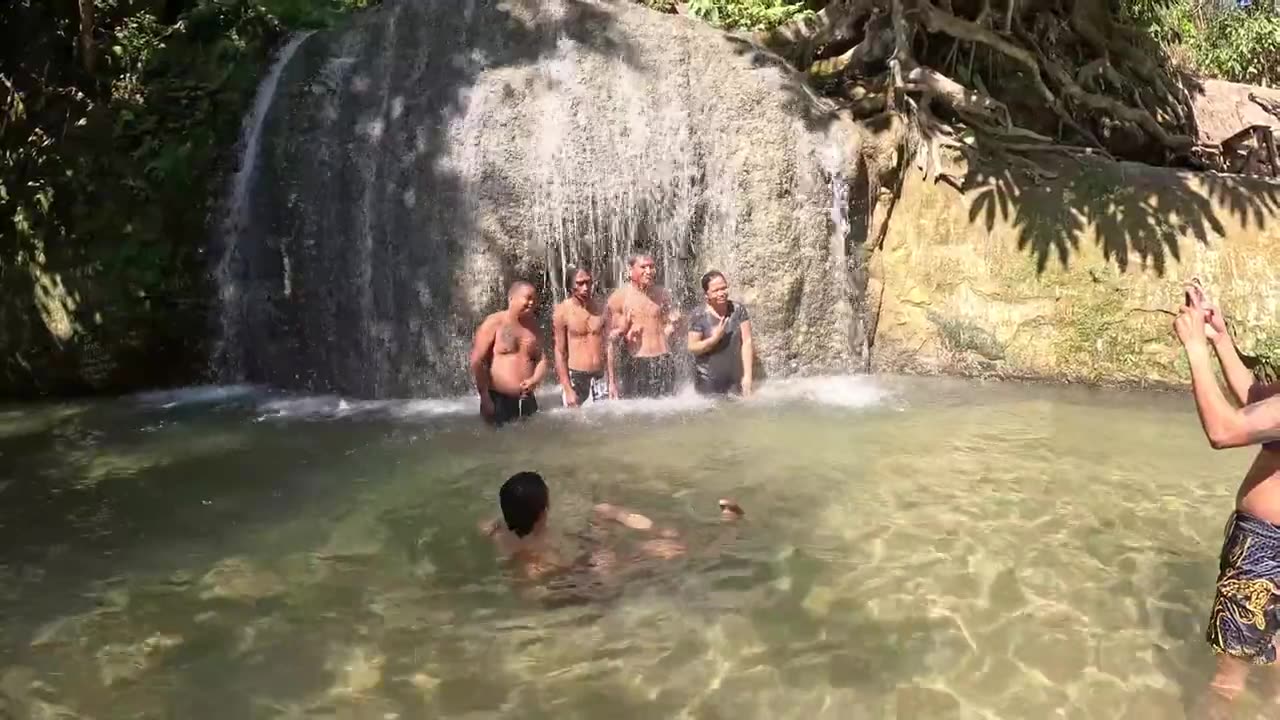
x=723, y=363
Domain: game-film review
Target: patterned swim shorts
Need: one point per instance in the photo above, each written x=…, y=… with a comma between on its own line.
x=1246, y=611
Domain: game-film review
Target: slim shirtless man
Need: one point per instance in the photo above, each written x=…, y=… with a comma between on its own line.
x=642, y=317
x=1244, y=624
x=521, y=535
x=507, y=362
x=579, y=328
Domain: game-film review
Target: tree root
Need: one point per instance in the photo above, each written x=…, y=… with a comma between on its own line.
x=799, y=40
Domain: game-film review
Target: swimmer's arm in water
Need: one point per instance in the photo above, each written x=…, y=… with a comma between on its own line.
x=622, y=516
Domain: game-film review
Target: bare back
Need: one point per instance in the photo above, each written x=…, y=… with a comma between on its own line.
x=645, y=317
x=514, y=354
x=582, y=330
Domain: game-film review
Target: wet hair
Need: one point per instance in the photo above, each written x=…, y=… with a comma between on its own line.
x=635, y=258
x=711, y=275
x=571, y=274
x=523, y=498
x=517, y=285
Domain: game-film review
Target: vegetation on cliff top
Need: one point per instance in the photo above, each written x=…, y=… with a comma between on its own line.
x=118, y=119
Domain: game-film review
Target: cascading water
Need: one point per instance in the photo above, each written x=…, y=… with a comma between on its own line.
x=237, y=216
x=420, y=160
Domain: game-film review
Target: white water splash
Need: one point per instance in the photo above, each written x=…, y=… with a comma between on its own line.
x=844, y=392
x=237, y=207
x=197, y=395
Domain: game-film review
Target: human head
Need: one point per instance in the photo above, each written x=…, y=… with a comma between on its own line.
x=580, y=283
x=643, y=270
x=522, y=298
x=715, y=287
x=524, y=502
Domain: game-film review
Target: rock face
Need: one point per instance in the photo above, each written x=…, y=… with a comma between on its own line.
x=1073, y=278
x=420, y=160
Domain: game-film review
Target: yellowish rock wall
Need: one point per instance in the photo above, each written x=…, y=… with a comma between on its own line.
x=1075, y=276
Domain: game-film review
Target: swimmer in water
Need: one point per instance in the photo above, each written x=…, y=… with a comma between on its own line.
x=521, y=535
x=1244, y=621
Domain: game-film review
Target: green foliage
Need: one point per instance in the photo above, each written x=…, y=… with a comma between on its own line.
x=746, y=14
x=665, y=6
x=108, y=180
x=1226, y=41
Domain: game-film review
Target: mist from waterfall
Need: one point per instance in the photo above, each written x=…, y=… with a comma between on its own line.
x=416, y=163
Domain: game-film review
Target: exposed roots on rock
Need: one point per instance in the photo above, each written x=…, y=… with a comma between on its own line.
x=997, y=77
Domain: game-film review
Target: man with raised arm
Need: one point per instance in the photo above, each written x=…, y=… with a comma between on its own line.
x=1244, y=623
x=507, y=362
x=641, y=318
x=579, y=328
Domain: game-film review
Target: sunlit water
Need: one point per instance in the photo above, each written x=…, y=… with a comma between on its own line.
x=913, y=549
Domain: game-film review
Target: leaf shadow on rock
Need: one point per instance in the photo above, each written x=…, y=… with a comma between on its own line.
x=1136, y=214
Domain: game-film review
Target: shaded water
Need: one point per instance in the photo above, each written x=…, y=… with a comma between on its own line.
x=913, y=549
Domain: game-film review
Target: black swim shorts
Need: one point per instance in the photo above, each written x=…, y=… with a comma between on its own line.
x=589, y=387
x=1246, y=611
x=649, y=377
x=507, y=408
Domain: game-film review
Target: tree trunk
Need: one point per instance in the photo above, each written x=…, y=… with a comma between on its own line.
x=88, y=51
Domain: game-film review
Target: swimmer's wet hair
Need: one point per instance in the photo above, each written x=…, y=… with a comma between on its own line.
x=571, y=274
x=635, y=258
x=711, y=275
x=511, y=291
x=523, y=498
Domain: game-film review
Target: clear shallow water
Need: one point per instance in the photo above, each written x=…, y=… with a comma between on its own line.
x=914, y=548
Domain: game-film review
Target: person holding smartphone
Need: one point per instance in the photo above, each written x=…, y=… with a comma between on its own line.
x=1244, y=622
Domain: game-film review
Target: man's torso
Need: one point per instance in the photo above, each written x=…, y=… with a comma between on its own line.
x=584, y=334
x=647, y=313
x=1259, y=494
x=515, y=352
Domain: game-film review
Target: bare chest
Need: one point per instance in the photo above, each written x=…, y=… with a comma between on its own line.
x=582, y=321
x=512, y=339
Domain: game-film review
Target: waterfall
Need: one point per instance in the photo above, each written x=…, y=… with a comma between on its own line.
x=236, y=217
x=421, y=159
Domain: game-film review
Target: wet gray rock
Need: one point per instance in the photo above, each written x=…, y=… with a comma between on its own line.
x=417, y=161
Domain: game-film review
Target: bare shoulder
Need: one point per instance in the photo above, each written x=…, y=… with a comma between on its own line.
x=558, y=314
x=616, y=299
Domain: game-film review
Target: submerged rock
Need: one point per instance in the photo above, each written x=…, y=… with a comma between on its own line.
x=238, y=579
x=119, y=662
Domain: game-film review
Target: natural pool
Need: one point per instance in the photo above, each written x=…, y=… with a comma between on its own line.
x=914, y=548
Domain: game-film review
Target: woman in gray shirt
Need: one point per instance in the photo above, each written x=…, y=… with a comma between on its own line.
x=720, y=340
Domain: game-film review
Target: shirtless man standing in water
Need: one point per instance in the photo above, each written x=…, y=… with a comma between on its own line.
x=1244, y=623
x=507, y=360
x=642, y=317
x=579, y=328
